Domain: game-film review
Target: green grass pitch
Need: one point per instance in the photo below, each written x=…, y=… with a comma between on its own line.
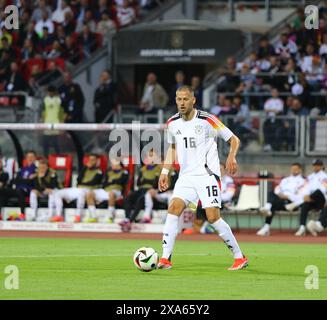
x=103, y=269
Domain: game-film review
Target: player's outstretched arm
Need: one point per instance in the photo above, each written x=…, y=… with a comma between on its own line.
x=163, y=184
x=231, y=163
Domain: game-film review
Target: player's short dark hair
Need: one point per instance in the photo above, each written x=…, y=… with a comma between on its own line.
x=30, y=151
x=185, y=88
x=94, y=155
x=297, y=164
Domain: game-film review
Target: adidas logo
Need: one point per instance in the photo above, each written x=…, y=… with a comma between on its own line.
x=215, y=201
x=178, y=132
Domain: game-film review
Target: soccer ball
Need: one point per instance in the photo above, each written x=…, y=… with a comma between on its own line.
x=146, y=259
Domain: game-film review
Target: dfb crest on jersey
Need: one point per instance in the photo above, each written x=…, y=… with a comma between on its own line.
x=198, y=129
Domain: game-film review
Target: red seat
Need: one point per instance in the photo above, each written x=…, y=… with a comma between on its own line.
x=28, y=65
x=62, y=162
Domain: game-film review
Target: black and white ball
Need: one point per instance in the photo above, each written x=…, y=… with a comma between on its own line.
x=146, y=259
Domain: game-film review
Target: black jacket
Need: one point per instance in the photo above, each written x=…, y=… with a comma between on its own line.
x=4, y=177
x=104, y=100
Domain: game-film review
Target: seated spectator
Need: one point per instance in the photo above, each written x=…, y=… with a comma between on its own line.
x=83, y=6
x=45, y=185
x=247, y=80
x=90, y=178
x=154, y=96
x=242, y=120
x=125, y=14
x=103, y=6
x=216, y=110
x=44, y=22
x=53, y=112
x=58, y=15
x=306, y=61
x=228, y=107
x=180, y=81
x=104, y=97
x=272, y=127
x=28, y=51
x=285, y=48
x=23, y=184
x=291, y=78
x=87, y=21
x=113, y=187
x=5, y=46
x=60, y=35
x=198, y=91
x=46, y=40
x=55, y=51
x=6, y=35
x=297, y=109
x=71, y=52
x=52, y=73
x=265, y=49
x=72, y=99
x=86, y=40
x=69, y=23
x=38, y=11
x=105, y=25
x=5, y=62
x=229, y=78
x=16, y=82
x=30, y=34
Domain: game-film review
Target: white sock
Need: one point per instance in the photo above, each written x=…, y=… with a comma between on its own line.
x=302, y=227
x=111, y=212
x=319, y=225
x=226, y=234
x=91, y=211
x=169, y=235
x=266, y=226
x=204, y=226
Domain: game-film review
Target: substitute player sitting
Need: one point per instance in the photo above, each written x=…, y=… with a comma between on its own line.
x=89, y=178
x=45, y=185
x=113, y=186
x=192, y=135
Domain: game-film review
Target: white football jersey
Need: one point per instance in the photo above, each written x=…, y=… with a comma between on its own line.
x=318, y=181
x=291, y=186
x=195, y=142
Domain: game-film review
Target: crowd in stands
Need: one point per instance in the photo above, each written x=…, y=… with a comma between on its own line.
x=56, y=34
x=110, y=185
x=287, y=77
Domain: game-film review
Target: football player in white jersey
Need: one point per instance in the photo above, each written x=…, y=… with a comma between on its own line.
x=192, y=137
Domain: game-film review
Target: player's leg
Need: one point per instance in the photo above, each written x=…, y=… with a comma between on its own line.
x=113, y=195
x=318, y=202
x=182, y=195
x=34, y=202
x=51, y=204
x=225, y=232
x=274, y=203
x=90, y=202
x=175, y=209
x=314, y=227
x=148, y=204
x=80, y=196
x=59, y=198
